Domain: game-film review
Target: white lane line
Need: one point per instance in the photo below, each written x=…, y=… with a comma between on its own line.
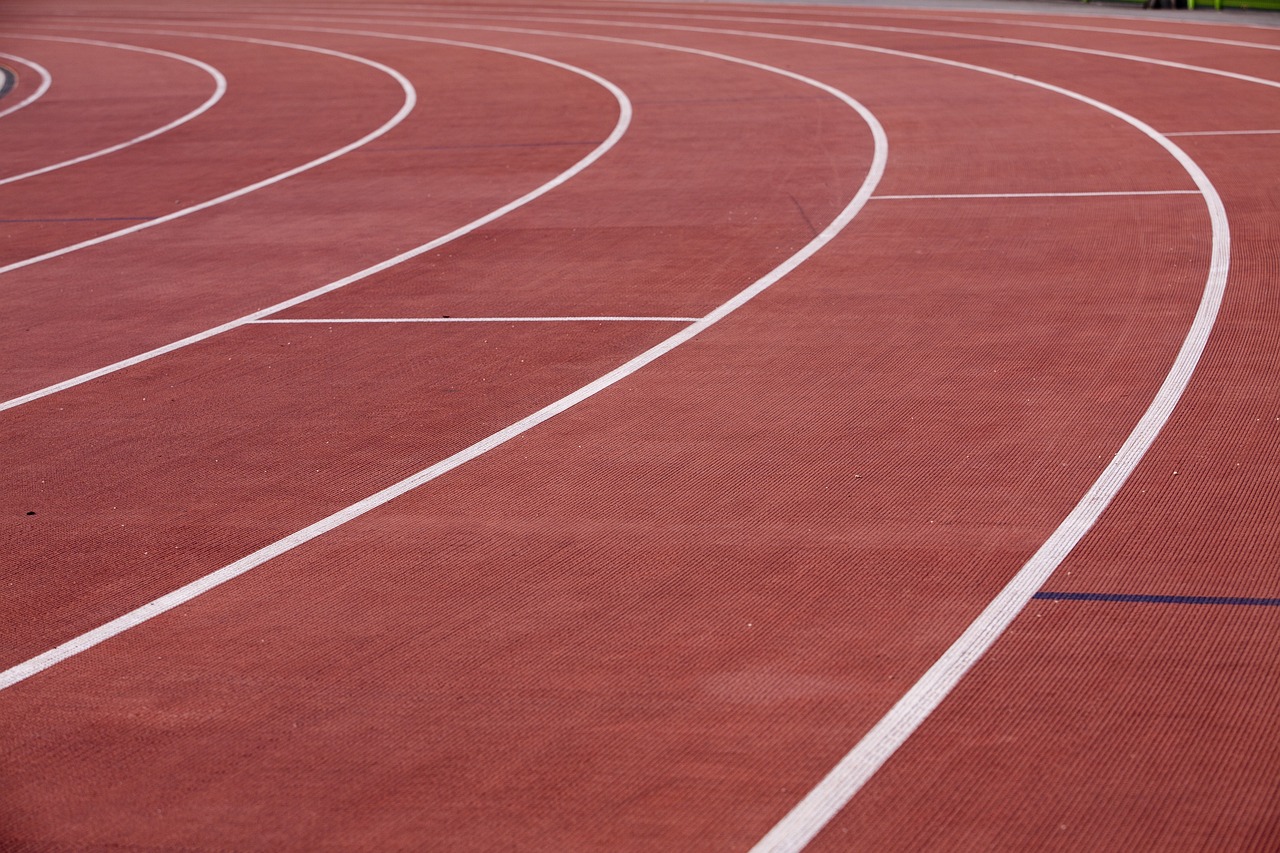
x=834, y=791
x=620, y=128
x=219, y=89
x=1109, y=30
x=46, y=80
x=410, y=99
x=1224, y=133
x=484, y=320
x=930, y=12
x=846, y=26
x=1102, y=194
x=186, y=593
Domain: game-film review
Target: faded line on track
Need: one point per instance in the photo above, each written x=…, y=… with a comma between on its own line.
x=190, y=591
x=219, y=89
x=46, y=80
x=410, y=99
x=620, y=128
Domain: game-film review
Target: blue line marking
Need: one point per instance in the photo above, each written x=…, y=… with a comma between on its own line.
x=1158, y=599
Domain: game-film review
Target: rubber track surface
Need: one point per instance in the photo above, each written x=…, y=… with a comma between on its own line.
x=658, y=619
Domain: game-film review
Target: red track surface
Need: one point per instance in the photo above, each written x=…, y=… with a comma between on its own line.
x=659, y=618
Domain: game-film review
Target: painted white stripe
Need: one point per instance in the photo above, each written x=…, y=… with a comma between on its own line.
x=219, y=89
x=620, y=128
x=484, y=320
x=837, y=25
x=932, y=13
x=1224, y=133
x=186, y=593
x=410, y=99
x=46, y=80
x=1035, y=195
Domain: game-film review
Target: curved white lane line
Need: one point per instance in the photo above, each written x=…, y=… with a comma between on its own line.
x=219, y=89
x=931, y=14
x=554, y=19
x=46, y=80
x=186, y=593
x=1146, y=33
x=834, y=791
x=620, y=127
x=410, y=99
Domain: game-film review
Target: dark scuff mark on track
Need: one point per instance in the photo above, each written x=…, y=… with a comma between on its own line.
x=813, y=229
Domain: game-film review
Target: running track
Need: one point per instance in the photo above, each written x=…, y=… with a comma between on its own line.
x=638, y=427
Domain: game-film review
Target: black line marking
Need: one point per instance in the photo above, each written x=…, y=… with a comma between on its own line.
x=1159, y=599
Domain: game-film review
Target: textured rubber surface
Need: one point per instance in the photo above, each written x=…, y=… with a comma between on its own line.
x=658, y=619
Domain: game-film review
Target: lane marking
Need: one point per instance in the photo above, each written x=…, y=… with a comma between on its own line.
x=186, y=593
x=487, y=320
x=1130, y=598
x=930, y=13
x=1223, y=133
x=1120, y=193
x=410, y=99
x=620, y=128
x=835, y=25
x=46, y=80
x=219, y=89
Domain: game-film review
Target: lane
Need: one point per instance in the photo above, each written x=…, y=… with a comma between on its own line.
x=722, y=559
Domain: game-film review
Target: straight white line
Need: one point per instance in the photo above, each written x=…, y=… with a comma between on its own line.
x=1223, y=133
x=620, y=128
x=186, y=593
x=482, y=320
x=46, y=80
x=219, y=89
x=410, y=99
x=1034, y=195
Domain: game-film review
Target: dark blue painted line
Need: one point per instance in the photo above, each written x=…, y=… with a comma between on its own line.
x=89, y=219
x=7, y=80
x=1159, y=599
